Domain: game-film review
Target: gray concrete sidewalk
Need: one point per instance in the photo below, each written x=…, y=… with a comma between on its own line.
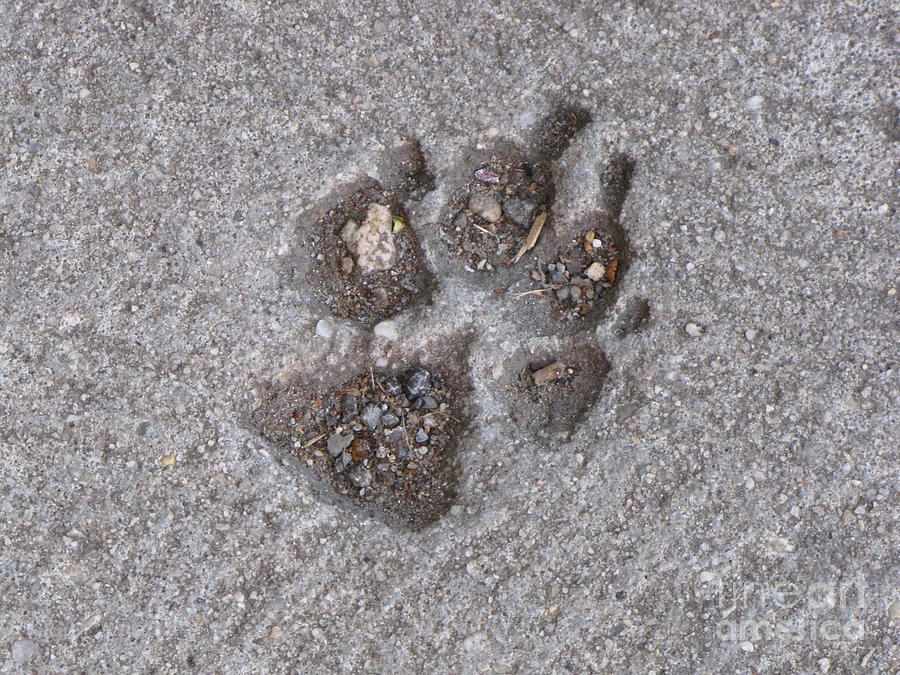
x=729, y=503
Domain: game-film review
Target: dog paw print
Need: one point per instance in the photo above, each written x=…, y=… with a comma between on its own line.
x=381, y=427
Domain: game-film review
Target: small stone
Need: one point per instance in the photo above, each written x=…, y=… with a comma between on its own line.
x=350, y=408
x=390, y=420
x=425, y=403
x=558, y=274
x=371, y=415
x=372, y=242
x=562, y=293
x=693, y=330
x=23, y=651
x=518, y=210
x=418, y=383
x=486, y=175
x=360, y=476
x=754, y=102
x=342, y=462
x=167, y=460
x=485, y=206
x=751, y=334
x=824, y=664
x=894, y=609
x=337, y=443
x=421, y=436
x=748, y=646
x=392, y=385
x=546, y=374
x=387, y=330
x=347, y=264
x=575, y=292
x=596, y=271
x=847, y=517
x=461, y=221
x=325, y=329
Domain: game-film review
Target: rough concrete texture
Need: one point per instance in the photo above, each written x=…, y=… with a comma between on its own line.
x=736, y=475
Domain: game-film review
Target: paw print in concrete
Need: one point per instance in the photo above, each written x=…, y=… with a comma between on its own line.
x=494, y=305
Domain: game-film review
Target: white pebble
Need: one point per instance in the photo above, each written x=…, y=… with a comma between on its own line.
x=387, y=330
x=751, y=334
x=894, y=610
x=754, y=102
x=748, y=646
x=23, y=651
x=692, y=329
x=824, y=665
x=325, y=329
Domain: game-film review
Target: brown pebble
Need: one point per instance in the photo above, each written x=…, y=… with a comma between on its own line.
x=347, y=264
x=610, y=272
x=548, y=373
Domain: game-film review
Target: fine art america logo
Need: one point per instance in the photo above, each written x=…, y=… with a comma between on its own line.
x=784, y=610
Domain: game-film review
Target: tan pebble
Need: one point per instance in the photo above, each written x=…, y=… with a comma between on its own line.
x=552, y=372
x=596, y=271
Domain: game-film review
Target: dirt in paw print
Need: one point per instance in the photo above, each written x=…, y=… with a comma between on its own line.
x=386, y=438
x=377, y=420
x=580, y=279
x=367, y=262
x=499, y=212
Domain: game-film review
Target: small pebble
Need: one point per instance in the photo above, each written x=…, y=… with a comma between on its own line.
x=392, y=385
x=518, y=211
x=754, y=102
x=748, y=646
x=22, y=651
x=387, y=330
x=425, y=403
x=824, y=664
x=485, y=206
x=418, y=383
x=421, y=436
x=692, y=330
x=371, y=415
x=546, y=374
x=325, y=329
x=487, y=176
x=894, y=609
x=596, y=271
x=360, y=477
x=562, y=293
x=390, y=420
x=337, y=443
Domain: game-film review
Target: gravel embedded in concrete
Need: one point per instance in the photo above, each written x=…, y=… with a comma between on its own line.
x=161, y=167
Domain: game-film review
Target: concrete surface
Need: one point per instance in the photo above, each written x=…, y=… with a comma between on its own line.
x=730, y=505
